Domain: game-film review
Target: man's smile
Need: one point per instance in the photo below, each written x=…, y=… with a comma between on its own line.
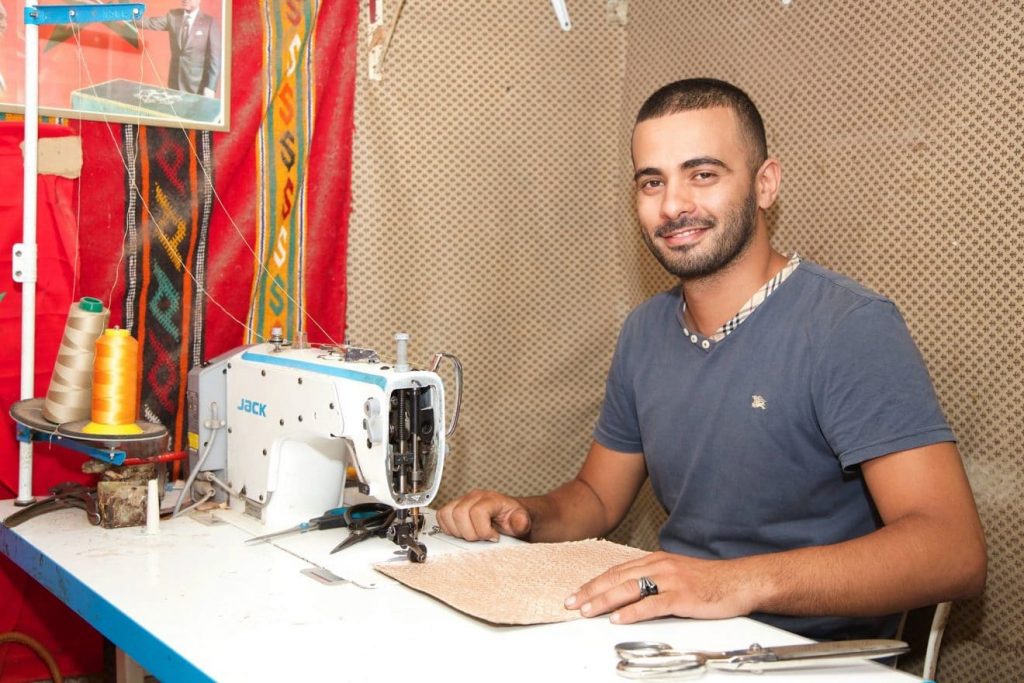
x=684, y=231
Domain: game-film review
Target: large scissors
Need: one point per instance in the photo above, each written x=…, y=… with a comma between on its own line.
x=364, y=521
x=644, y=659
x=332, y=519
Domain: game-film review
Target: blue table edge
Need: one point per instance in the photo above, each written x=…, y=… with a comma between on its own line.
x=151, y=653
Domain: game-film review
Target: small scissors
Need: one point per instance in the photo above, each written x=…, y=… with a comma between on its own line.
x=645, y=659
x=332, y=519
x=365, y=520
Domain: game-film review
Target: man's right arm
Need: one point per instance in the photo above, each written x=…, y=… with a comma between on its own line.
x=588, y=506
x=158, y=23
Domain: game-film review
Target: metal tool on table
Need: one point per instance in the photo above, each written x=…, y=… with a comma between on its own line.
x=335, y=518
x=367, y=520
x=66, y=495
x=282, y=431
x=332, y=519
x=644, y=659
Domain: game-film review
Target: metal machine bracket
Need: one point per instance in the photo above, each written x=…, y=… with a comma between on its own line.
x=82, y=14
x=111, y=456
x=24, y=262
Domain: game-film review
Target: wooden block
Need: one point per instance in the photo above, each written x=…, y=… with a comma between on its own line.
x=122, y=503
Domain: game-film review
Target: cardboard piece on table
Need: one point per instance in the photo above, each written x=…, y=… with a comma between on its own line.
x=522, y=584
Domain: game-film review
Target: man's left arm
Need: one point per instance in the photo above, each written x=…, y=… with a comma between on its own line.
x=211, y=66
x=930, y=549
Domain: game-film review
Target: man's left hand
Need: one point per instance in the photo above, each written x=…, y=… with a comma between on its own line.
x=687, y=587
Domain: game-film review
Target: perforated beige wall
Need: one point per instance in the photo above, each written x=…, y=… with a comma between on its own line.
x=488, y=221
x=492, y=218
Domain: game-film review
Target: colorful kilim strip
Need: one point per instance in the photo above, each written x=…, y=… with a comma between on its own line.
x=278, y=297
x=9, y=116
x=169, y=198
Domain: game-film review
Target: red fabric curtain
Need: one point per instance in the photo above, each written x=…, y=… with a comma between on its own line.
x=25, y=605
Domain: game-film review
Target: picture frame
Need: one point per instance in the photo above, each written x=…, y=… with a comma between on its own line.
x=155, y=71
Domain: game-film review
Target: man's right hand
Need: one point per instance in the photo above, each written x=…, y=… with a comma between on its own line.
x=482, y=515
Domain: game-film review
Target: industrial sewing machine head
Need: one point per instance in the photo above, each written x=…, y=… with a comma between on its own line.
x=282, y=432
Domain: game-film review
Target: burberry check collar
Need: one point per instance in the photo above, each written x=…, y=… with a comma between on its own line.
x=745, y=310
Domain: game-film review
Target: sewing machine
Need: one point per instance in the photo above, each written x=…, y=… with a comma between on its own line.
x=284, y=433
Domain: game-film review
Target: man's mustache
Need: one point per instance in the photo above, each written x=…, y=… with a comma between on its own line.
x=684, y=223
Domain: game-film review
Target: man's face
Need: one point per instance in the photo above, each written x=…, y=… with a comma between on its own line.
x=695, y=194
x=189, y=5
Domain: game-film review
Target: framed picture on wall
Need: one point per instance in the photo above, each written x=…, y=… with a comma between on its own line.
x=170, y=68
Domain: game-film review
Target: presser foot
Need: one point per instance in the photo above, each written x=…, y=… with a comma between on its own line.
x=404, y=534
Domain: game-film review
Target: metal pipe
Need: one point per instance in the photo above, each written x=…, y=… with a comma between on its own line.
x=28, y=250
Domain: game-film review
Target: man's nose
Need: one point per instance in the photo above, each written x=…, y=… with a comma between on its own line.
x=677, y=201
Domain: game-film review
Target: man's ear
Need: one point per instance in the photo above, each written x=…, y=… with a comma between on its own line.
x=766, y=183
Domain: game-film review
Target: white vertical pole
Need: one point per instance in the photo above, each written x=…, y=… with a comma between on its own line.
x=28, y=250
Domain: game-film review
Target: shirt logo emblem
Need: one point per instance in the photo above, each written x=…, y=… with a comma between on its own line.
x=757, y=401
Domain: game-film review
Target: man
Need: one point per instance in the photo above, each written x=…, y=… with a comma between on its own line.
x=195, y=48
x=782, y=412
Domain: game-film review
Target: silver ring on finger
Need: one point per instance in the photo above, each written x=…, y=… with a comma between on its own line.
x=647, y=587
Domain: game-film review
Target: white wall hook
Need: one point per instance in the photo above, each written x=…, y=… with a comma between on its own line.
x=562, y=14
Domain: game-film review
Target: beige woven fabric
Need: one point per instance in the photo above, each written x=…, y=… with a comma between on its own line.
x=523, y=584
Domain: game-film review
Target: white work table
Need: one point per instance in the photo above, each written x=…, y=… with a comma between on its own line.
x=195, y=603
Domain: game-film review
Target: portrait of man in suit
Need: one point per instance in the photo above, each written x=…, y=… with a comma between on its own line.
x=195, y=42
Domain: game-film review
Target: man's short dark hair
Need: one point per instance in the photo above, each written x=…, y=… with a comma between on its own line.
x=706, y=93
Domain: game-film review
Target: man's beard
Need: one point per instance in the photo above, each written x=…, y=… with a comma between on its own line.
x=732, y=241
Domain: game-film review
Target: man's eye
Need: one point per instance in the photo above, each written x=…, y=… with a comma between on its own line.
x=650, y=184
x=704, y=175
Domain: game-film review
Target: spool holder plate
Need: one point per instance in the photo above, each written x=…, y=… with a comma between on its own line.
x=29, y=413
x=73, y=430
x=32, y=426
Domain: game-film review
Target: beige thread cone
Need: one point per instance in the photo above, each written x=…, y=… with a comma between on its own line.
x=69, y=397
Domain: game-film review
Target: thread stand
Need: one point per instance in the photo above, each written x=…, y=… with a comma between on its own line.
x=25, y=257
x=32, y=426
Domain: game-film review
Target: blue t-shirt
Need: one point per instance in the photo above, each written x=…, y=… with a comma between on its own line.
x=753, y=444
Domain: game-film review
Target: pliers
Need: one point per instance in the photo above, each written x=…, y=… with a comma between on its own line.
x=67, y=495
x=364, y=521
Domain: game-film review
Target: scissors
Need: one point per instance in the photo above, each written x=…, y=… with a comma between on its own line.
x=332, y=519
x=365, y=520
x=644, y=659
